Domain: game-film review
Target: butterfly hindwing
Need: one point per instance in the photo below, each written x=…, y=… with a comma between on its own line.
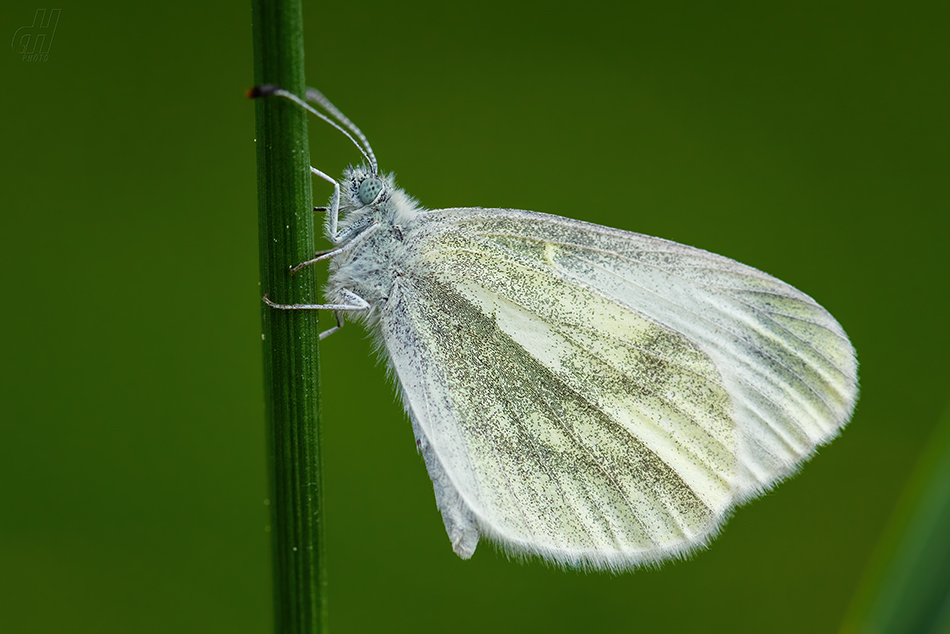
x=567, y=402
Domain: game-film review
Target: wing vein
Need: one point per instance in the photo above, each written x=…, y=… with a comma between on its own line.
x=751, y=272
x=737, y=335
x=537, y=452
x=646, y=388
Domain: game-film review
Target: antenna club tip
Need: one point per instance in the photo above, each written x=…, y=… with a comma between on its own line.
x=264, y=90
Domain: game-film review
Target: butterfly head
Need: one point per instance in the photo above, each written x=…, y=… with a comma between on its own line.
x=367, y=197
x=362, y=187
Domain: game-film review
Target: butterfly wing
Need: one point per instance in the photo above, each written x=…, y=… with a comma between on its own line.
x=598, y=397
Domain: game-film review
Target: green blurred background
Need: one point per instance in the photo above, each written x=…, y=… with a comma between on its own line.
x=810, y=140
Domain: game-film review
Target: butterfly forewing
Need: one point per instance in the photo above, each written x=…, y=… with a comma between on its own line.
x=785, y=361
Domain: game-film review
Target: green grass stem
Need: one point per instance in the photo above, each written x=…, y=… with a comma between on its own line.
x=290, y=338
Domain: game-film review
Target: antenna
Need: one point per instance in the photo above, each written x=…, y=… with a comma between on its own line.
x=316, y=96
x=313, y=94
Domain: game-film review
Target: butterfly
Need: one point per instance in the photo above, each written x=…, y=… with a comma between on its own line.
x=598, y=398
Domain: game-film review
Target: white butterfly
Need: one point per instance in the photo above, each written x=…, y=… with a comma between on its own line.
x=599, y=398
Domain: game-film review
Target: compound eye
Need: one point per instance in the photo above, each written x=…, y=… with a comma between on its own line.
x=369, y=190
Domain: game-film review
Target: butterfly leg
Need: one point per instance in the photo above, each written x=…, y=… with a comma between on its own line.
x=353, y=303
x=334, y=210
x=329, y=331
x=326, y=255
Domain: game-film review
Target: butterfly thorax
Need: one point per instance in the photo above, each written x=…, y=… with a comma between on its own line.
x=377, y=234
